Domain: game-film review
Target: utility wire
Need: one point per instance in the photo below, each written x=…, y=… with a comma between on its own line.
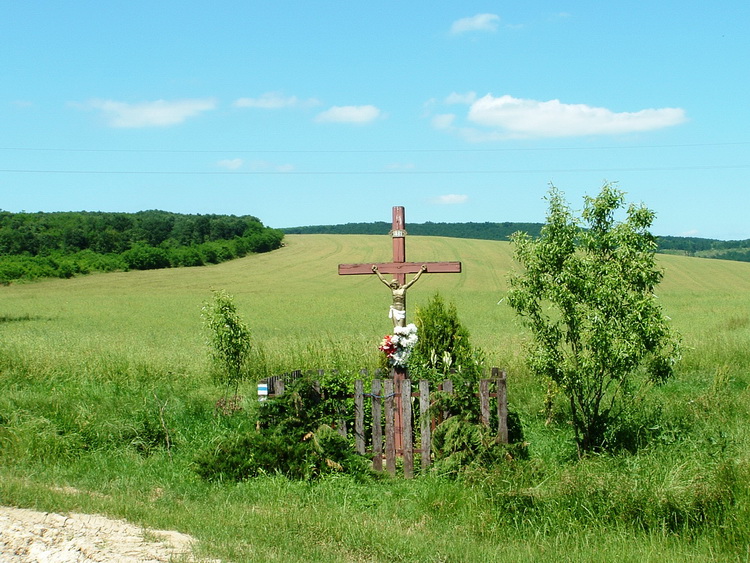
x=376, y=173
x=366, y=151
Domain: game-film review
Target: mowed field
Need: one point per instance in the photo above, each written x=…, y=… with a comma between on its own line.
x=294, y=300
x=98, y=371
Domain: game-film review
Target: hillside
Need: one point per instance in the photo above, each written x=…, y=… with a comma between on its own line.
x=108, y=402
x=294, y=299
x=738, y=250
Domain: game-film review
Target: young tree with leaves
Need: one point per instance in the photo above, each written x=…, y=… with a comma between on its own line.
x=587, y=296
x=229, y=338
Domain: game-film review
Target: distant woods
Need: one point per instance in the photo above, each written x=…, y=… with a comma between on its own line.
x=63, y=244
x=483, y=231
x=37, y=245
x=689, y=246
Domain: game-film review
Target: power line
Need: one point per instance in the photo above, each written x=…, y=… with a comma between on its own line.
x=369, y=151
x=378, y=172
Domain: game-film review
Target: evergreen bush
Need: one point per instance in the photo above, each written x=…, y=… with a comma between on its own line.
x=444, y=348
x=293, y=436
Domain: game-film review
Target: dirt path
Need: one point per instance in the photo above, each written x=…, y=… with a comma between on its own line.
x=31, y=536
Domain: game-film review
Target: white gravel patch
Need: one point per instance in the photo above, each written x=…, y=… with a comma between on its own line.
x=32, y=536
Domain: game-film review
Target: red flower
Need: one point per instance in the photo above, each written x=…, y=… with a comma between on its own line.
x=387, y=347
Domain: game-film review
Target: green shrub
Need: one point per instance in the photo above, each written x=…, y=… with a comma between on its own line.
x=145, y=257
x=586, y=293
x=291, y=438
x=255, y=453
x=186, y=256
x=444, y=347
x=461, y=445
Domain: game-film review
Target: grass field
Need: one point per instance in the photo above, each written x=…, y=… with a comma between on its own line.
x=93, y=367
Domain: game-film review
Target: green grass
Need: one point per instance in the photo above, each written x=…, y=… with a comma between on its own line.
x=100, y=373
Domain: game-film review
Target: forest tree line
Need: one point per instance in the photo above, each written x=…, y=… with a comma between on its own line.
x=689, y=246
x=62, y=244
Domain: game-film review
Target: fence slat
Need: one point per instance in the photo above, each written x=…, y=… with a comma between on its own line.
x=501, y=379
x=408, y=442
x=484, y=401
x=359, y=416
x=425, y=431
x=377, y=428
x=390, y=431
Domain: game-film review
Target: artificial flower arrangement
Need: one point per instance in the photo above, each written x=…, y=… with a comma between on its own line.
x=398, y=346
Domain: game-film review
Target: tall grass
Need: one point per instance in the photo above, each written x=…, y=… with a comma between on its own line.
x=107, y=398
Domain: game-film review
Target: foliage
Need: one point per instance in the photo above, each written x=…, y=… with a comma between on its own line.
x=444, y=351
x=294, y=437
x=738, y=250
x=463, y=445
x=484, y=231
x=587, y=295
x=229, y=338
x=444, y=347
x=144, y=257
x=37, y=245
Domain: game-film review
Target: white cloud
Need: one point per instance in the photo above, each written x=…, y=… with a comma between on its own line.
x=274, y=100
x=443, y=121
x=450, y=199
x=159, y=113
x=455, y=98
x=480, y=22
x=231, y=163
x=349, y=114
x=516, y=117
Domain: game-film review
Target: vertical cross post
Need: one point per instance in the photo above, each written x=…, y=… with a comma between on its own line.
x=398, y=234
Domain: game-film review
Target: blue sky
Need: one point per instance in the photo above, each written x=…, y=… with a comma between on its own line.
x=318, y=112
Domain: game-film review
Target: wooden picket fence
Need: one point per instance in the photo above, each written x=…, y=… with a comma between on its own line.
x=397, y=429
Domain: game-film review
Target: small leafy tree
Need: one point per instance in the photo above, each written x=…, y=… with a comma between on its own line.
x=229, y=338
x=587, y=295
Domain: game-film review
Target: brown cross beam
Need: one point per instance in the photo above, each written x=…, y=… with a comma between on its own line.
x=400, y=267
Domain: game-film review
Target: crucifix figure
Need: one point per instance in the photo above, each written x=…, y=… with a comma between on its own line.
x=397, y=312
x=399, y=268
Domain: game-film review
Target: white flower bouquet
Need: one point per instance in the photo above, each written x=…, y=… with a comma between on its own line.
x=398, y=346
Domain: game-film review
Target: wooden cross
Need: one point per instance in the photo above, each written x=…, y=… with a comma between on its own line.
x=399, y=267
